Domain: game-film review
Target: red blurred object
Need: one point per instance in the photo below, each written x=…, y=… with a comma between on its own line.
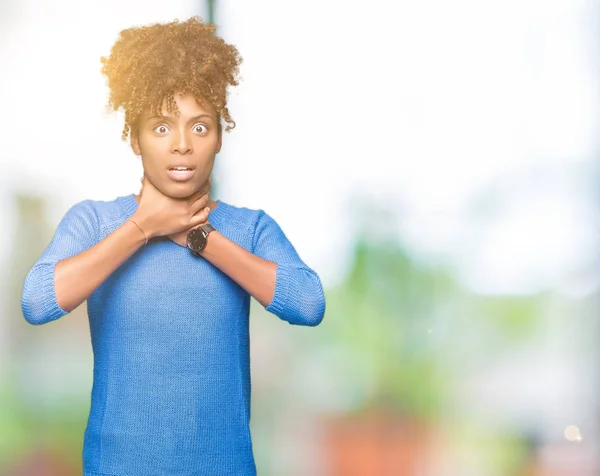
x=374, y=444
x=43, y=462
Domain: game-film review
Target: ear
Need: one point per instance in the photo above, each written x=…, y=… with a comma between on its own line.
x=135, y=143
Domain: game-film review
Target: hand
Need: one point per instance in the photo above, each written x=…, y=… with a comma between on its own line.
x=181, y=237
x=160, y=215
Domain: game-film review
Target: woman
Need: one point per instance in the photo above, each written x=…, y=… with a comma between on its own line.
x=168, y=273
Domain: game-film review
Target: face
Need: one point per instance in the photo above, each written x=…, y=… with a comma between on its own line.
x=190, y=139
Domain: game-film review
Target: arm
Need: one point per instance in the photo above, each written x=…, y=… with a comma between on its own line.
x=74, y=265
x=273, y=274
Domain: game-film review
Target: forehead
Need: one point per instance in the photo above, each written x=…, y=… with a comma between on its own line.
x=186, y=105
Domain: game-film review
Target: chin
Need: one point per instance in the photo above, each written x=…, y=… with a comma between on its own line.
x=180, y=190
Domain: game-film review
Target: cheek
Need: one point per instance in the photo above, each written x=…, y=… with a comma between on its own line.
x=210, y=145
x=152, y=147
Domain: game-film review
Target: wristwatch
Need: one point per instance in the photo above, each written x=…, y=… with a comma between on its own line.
x=197, y=238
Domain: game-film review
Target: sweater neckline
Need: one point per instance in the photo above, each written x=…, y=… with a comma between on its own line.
x=130, y=205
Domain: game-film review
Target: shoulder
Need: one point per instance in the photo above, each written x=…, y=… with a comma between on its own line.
x=255, y=223
x=82, y=210
x=249, y=218
x=96, y=207
x=96, y=213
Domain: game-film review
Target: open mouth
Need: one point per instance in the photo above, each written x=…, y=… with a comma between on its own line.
x=180, y=173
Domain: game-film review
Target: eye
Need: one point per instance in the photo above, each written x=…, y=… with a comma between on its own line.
x=202, y=127
x=161, y=129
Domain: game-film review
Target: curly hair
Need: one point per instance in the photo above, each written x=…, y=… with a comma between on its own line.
x=147, y=65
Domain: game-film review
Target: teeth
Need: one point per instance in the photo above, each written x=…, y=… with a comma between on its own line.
x=179, y=168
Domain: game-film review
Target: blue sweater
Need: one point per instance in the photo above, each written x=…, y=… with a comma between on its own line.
x=170, y=337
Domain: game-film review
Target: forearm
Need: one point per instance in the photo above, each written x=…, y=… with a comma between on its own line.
x=254, y=274
x=54, y=288
x=77, y=277
x=290, y=290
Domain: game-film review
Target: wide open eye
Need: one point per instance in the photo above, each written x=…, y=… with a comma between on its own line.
x=161, y=129
x=201, y=128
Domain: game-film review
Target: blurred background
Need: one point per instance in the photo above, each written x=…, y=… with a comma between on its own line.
x=446, y=156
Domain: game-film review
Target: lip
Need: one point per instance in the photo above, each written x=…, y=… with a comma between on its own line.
x=182, y=164
x=180, y=176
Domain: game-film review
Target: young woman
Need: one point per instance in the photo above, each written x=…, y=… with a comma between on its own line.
x=168, y=273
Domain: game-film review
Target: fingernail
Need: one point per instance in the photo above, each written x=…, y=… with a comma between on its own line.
x=207, y=209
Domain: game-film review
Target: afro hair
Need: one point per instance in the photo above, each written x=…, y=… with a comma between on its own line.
x=147, y=65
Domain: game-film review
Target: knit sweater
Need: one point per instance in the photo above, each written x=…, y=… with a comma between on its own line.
x=170, y=338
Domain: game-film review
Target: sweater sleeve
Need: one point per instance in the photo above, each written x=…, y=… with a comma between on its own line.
x=299, y=297
x=77, y=231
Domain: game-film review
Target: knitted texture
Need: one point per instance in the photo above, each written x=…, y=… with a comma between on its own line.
x=170, y=337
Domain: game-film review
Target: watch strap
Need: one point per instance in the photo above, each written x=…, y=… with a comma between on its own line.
x=207, y=227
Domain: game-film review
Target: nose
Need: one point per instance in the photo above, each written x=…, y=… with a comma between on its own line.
x=182, y=143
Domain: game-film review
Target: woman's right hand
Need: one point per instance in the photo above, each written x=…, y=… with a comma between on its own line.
x=160, y=215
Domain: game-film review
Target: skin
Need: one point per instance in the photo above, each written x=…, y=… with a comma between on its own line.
x=193, y=136
x=171, y=208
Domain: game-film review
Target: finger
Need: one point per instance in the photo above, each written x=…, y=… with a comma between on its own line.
x=202, y=216
x=199, y=204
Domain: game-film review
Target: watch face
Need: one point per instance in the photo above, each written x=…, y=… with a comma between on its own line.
x=196, y=240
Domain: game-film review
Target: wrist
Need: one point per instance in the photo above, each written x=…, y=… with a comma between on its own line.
x=144, y=225
x=136, y=231
x=207, y=251
x=198, y=237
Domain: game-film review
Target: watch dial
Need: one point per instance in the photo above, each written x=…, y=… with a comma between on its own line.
x=196, y=240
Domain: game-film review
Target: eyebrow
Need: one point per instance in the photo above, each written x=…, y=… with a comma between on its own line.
x=172, y=119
